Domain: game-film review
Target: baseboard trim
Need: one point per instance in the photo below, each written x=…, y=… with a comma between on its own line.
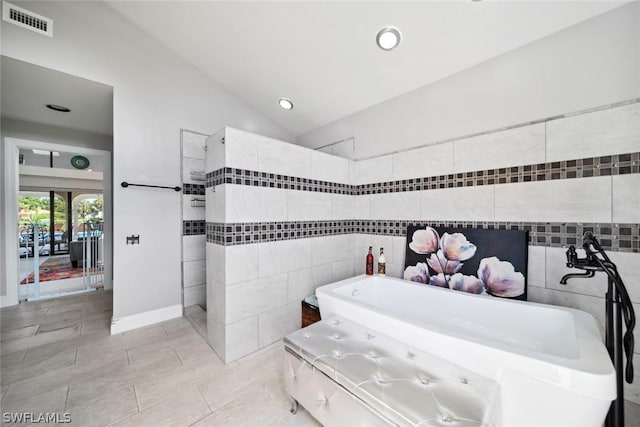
x=146, y=318
x=7, y=301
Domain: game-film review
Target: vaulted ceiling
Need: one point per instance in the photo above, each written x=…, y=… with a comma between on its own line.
x=323, y=55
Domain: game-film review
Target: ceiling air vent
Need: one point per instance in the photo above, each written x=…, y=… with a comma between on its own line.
x=27, y=19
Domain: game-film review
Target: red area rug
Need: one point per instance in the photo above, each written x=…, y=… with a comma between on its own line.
x=55, y=269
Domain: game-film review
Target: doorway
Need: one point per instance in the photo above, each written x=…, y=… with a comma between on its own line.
x=57, y=139
x=61, y=238
x=61, y=232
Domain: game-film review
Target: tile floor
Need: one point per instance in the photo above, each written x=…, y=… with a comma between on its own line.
x=57, y=356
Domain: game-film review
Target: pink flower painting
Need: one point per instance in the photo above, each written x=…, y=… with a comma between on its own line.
x=438, y=259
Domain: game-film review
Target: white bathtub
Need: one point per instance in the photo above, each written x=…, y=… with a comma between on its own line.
x=550, y=362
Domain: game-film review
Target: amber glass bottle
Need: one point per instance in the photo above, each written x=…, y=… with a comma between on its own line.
x=370, y=262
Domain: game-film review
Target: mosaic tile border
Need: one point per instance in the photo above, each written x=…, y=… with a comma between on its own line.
x=617, y=164
x=273, y=180
x=193, y=227
x=229, y=234
x=194, y=189
x=614, y=237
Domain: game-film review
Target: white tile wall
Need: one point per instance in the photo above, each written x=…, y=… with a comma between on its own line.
x=345, y=149
x=216, y=152
x=341, y=270
x=215, y=336
x=193, y=247
x=241, y=338
x=362, y=207
x=300, y=266
x=300, y=284
x=343, y=206
x=265, y=282
x=215, y=313
x=395, y=205
x=359, y=266
x=321, y=274
x=192, y=212
x=193, y=145
x=215, y=262
x=462, y=204
x=628, y=266
x=194, y=273
x=361, y=247
x=378, y=169
x=215, y=210
x=276, y=323
x=306, y=205
x=283, y=158
x=626, y=197
x=326, y=167
x=330, y=249
x=241, y=263
x=304, y=282
x=192, y=165
x=395, y=270
x=512, y=147
x=255, y=296
x=254, y=204
x=556, y=261
x=399, y=247
x=195, y=295
x=362, y=243
x=426, y=161
x=536, y=269
x=284, y=256
x=241, y=149
x=575, y=200
x=611, y=131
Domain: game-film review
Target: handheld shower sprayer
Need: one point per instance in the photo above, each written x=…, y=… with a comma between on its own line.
x=617, y=306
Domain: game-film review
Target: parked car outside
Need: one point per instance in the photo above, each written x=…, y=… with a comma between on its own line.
x=57, y=236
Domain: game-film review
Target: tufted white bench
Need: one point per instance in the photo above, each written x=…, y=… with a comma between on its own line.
x=347, y=375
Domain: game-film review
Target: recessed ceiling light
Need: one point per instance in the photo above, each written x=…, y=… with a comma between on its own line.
x=285, y=103
x=59, y=108
x=388, y=38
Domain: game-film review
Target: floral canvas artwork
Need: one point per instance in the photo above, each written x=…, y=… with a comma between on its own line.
x=490, y=262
